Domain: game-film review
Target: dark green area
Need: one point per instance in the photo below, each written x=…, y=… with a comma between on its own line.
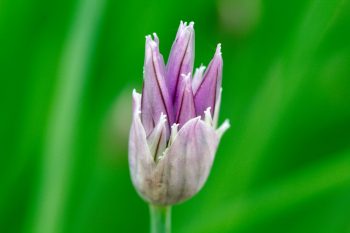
x=67, y=71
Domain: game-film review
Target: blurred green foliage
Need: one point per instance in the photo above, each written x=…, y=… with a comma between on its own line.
x=68, y=67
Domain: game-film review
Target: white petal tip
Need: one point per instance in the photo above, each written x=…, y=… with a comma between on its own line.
x=136, y=96
x=162, y=118
x=207, y=117
x=173, y=134
x=186, y=76
x=134, y=92
x=223, y=128
x=184, y=26
x=150, y=42
x=218, y=49
x=156, y=39
x=207, y=111
x=201, y=67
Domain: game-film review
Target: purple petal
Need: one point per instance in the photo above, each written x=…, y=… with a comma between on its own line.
x=184, y=103
x=181, y=57
x=209, y=89
x=155, y=95
x=188, y=161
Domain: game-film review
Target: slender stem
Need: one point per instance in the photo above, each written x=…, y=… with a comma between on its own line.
x=160, y=219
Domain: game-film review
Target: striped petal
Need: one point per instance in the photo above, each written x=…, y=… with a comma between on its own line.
x=155, y=95
x=141, y=162
x=209, y=89
x=181, y=57
x=188, y=161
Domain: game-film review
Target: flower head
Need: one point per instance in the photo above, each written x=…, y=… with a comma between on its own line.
x=174, y=134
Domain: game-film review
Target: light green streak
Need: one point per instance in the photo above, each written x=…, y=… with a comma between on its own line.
x=280, y=88
x=298, y=188
x=58, y=153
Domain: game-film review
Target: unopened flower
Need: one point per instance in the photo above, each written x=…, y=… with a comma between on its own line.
x=174, y=134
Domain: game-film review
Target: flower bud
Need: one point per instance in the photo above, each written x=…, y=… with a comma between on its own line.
x=155, y=95
x=181, y=57
x=173, y=137
x=208, y=90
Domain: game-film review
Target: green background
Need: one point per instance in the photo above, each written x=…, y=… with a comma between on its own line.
x=67, y=71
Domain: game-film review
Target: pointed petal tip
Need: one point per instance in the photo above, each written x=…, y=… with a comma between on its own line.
x=136, y=103
x=186, y=26
x=173, y=133
x=218, y=50
x=208, y=117
x=181, y=26
x=227, y=123
x=223, y=128
x=207, y=111
x=152, y=42
x=156, y=39
x=148, y=38
x=201, y=67
x=190, y=27
x=135, y=95
x=187, y=76
x=175, y=126
x=162, y=118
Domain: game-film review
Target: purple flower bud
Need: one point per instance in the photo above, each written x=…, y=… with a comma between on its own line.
x=181, y=57
x=174, y=134
x=208, y=90
x=155, y=95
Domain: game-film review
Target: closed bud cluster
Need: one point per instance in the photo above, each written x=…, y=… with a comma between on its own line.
x=174, y=133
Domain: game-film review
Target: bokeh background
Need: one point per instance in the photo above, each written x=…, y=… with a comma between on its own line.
x=67, y=71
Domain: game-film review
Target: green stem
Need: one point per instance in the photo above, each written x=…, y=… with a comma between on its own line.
x=160, y=219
